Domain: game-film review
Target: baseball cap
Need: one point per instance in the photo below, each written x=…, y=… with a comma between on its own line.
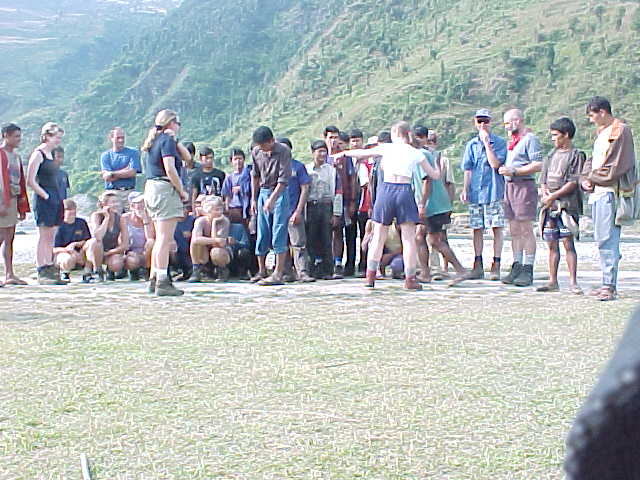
x=483, y=112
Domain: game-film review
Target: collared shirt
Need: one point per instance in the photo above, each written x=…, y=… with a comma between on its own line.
x=112, y=161
x=486, y=185
x=272, y=167
x=600, y=149
x=325, y=186
x=526, y=151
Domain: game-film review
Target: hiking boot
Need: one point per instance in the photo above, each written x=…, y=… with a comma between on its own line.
x=48, y=275
x=371, y=278
x=515, y=271
x=164, y=288
x=222, y=274
x=477, y=273
x=525, y=276
x=494, y=275
x=151, y=288
x=196, y=275
x=338, y=273
x=411, y=283
x=100, y=273
x=134, y=275
x=111, y=276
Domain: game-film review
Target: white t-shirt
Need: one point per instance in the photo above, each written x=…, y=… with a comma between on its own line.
x=600, y=149
x=399, y=159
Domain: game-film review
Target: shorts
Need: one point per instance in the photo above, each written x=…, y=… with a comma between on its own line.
x=395, y=200
x=11, y=218
x=521, y=201
x=162, y=200
x=48, y=213
x=436, y=223
x=490, y=215
x=555, y=229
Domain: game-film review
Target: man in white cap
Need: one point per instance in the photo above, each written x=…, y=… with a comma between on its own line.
x=483, y=191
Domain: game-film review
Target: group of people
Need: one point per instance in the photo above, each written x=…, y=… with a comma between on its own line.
x=358, y=207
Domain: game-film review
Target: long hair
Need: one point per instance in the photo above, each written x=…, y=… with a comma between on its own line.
x=163, y=118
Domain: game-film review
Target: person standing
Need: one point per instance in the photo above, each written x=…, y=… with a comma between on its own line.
x=524, y=160
x=14, y=202
x=42, y=177
x=270, y=203
x=610, y=172
x=208, y=180
x=163, y=196
x=483, y=191
x=63, y=176
x=119, y=166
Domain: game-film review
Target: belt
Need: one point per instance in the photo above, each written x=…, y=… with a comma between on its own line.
x=161, y=179
x=121, y=188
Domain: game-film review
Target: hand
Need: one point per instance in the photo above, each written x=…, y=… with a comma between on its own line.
x=336, y=221
x=504, y=171
x=296, y=217
x=464, y=196
x=106, y=210
x=231, y=241
x=3, y=212
x=483, y=133
x=171, y=133
x=237, y=190
x=46, y=197
x=548, y=201
x=22, y=216
x=268, y=206
x=422, y=211
x=254, y=208
x=351, y=209
x=586, y=185
x=184, y=196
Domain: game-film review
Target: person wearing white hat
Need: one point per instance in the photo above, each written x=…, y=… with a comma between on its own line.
x=141, y=235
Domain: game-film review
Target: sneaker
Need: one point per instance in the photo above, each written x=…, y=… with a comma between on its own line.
x=164, y=288
x=525, y=277
x=515, y=271
x=87, y=277
x=151, y=288
x=494, y=275
x=66, y=277
x=111, y=276
x=222, y=274
x=49, y=275
x=121, y=274
x=349, y=271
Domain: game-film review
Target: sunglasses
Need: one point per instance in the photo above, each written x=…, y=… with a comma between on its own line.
x=483, y=120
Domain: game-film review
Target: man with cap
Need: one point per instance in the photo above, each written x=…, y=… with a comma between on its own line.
x=483, y=191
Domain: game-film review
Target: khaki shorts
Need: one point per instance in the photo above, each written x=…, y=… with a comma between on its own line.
x=11, y=218
x=162, y=200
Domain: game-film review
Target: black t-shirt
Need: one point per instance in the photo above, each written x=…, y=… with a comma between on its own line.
x=72, y=232
x=208, y=183
x=163, y=146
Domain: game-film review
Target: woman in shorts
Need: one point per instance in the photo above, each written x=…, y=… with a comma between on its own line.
x=163, y=196
x=395, y=199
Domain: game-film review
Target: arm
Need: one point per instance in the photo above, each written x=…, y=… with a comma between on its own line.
x=172, y=173
x=433, y=172
x=255, y=189
x=99, y=226
x=32, y=170
x=530, y=169
x=426, y=191
x=123, y=239
x=464, y=195
x=220, y=232
x=360, y=153
x=184, y=153
x=126, y=172
x=296, y=217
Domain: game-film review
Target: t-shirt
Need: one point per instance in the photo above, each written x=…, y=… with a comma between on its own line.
x=399, y=159
x=438, y=201
x=72, y=232
x=526, y=151
x=299, y=176
x=208, y=183
x=163, y=146
x=560, y=168
x=111, y=161
x=186, y=176
x=272, y=167
x=14, y=173
x=63, y=183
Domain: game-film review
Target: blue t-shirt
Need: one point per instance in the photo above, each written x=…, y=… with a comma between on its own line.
x=113, y=161
x=163, y=146
x=299, y=176
x=72, y=232
x=182, y=234
x=63, y=183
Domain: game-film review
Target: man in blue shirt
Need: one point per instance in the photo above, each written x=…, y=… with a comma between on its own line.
x=119, y=166
x=483, y=191
x=298, y=191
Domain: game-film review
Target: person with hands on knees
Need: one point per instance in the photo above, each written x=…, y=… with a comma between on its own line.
x=164, y=195
x=70, y=240
x=141, y=237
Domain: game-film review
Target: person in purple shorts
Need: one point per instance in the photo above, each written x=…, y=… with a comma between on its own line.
x=395, y=200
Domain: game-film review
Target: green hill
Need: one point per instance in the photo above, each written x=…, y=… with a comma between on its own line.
x=297, y=66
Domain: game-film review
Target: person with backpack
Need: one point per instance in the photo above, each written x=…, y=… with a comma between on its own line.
x=561, y=202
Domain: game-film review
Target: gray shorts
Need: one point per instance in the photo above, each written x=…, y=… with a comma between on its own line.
x=11, y=218
x=162, y=200
x=490, y=215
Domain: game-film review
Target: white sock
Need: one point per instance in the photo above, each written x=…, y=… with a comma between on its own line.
x=529, y=259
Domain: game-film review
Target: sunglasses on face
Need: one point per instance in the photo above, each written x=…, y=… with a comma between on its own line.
x=483, y=120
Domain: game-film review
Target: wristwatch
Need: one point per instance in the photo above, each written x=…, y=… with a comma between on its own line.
x=513, y=171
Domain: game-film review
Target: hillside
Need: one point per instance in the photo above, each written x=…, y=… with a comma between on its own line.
x=299, y=65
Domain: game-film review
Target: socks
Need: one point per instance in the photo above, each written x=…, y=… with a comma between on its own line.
x=529, y=259
x=409, y=272
x=373, y=265
x=517, y=257
x=162, y=276
x=477, y=259
x=496, y=259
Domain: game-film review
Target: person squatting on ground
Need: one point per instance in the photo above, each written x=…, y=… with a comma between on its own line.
x=561, y=202
x=610, y=172
x=270, y=203
x=137, y=260
x=524, y=160
x=14, y=201
x=324, y=210
x=396, y=200
x=483, y=191
x=70, y=241
x=163, y=196
x=42, y=178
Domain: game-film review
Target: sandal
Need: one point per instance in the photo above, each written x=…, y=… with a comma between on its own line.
x=550, y=287
x=607, y=294
x=15, y=281
x=270, y=281
x=576, y=290
x=257, y=277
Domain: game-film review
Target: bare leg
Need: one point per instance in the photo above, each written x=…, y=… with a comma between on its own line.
x=554, y=261
x=409, y=250
x=7, y=235
x=423, y=253
x=572, y=260
x=164, y=238
x=377, y=244
x=478, y=242
x=94, y=252
x=439, y=244
x=498, y=241
x=44, y=250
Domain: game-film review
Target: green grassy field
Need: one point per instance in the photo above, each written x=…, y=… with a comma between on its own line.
x=322, y=381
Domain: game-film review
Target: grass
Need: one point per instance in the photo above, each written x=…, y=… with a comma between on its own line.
x=323, y=381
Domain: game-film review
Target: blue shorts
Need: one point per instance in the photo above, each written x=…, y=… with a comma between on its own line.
x=273, y=227
x=395, y=200
x=48, y=213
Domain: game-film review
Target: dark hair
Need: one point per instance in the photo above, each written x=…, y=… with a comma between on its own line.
x=564, y=125
x=331, y=129
x=286, y=141
x=190, y=147
x=207, y=151
x=420, y=131
x=598, y=103
x=57, y=150
x=356, y=133
x=262, y=135
x=236, y=152
x=9, y=128
x=344, y=136
x=318, y=144
x=384, y=137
